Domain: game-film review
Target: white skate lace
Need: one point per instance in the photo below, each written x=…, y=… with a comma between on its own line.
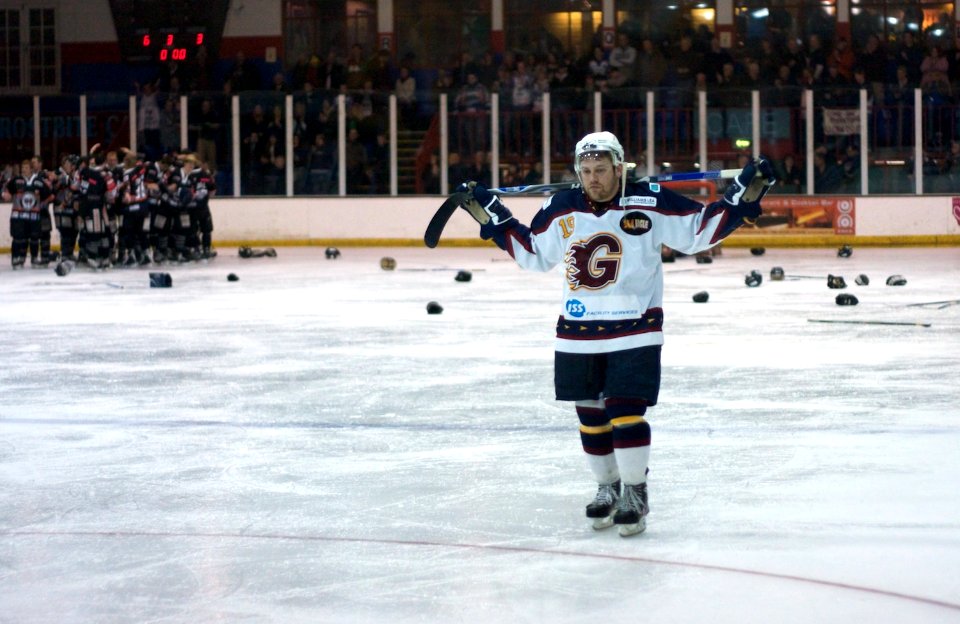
x=631, y=500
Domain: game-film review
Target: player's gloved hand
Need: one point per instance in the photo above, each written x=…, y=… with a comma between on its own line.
x=746, y=190
x=485, y=207
x=752, y=183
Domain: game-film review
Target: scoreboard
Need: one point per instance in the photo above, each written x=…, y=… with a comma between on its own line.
x=167, y=44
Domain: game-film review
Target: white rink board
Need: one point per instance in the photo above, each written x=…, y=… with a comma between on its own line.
x=376, y=217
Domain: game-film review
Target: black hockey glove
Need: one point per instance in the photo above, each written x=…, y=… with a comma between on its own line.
x=746, y=190
x=485, y=207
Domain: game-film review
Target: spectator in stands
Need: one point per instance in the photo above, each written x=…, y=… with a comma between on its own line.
x=534, y=174
x=148, y=121
x=827, y=175
x=598, y=66
x=170, y=126
x=714, y=60
x=873, y=60
x=455, y=168
x=378, y=165
x=899, y=100
x=472, y=101
x=935, y=72
x=910, y=54
x=356, y=156
x=200, y=71
x=624, y=57
x=430, y=179
x=850, y=167
x=322, y=166
x=355, y=74
x=379, y=71
x=479, y=169
x=770, y=60
x=278, y=84
x=243, y=75
x=331, y=74
x=790, y=176
x=207, y=127
x=443, y=83
x=406, y=92
x=816, y=58
x=254, y=138
x=843, y=58
x=301, y=159
x=487, y=69
x=465, y=67
x=785, y=91
x=651, y=66
x=685, y=63
x=274, y=172
x=276, y=125
x=302, y=126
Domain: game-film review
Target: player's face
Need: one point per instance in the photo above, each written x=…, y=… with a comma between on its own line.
x=600, y=179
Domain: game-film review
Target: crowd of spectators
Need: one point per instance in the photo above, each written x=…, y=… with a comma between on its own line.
x=781, y=67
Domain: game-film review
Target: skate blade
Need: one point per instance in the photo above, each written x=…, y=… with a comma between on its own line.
x=600, y=524
x=626, y=530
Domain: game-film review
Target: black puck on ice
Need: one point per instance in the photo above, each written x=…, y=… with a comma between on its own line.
x=776, y=274
x=463, y=276
x=160, y=280
x=387, y=263
x=704, y=259
x=754, y=279
x=845, y=252
x=434, y=308
x=63, y=268
x=758, y=251
x=233, y=278
x=701, y=297
x=836, y=281
x=862, y=280
x=846, y=299
x=331, y=253
x=896, y=280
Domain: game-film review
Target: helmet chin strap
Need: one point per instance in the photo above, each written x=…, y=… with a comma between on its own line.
x=627, y=166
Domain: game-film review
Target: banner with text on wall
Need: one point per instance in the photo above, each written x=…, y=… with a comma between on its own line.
x=814, y=212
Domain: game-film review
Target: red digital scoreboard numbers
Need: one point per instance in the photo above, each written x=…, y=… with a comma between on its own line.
x=170, y=45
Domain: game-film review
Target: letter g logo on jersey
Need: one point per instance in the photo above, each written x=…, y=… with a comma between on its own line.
x=575, y=308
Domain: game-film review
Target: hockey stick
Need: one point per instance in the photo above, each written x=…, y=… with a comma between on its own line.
x=692, y=176
x=435, y=228
x=940, y=304
x=902, y=323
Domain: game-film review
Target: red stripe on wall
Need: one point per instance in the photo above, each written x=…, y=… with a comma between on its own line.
x=89, y=52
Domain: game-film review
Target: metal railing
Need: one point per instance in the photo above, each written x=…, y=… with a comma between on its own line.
x=857, y=141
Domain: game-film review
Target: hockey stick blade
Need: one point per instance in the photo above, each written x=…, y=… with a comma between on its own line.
x=439, y=221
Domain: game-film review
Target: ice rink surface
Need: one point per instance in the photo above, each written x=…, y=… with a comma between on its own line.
x=307, y=444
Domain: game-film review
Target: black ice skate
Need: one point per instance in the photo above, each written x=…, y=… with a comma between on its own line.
x=632, y=510
x=602, y=507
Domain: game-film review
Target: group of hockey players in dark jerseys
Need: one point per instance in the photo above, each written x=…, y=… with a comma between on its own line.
x=111, y=211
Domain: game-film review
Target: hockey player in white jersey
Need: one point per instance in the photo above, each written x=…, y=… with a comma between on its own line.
x=607, y=234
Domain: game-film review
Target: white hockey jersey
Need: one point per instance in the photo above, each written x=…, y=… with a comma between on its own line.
x=613, y=287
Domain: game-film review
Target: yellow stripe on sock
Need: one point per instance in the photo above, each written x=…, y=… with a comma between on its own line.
x=624, y=421
x=596, y=430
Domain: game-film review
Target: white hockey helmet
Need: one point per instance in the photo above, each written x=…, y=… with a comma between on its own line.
x=598, y=142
